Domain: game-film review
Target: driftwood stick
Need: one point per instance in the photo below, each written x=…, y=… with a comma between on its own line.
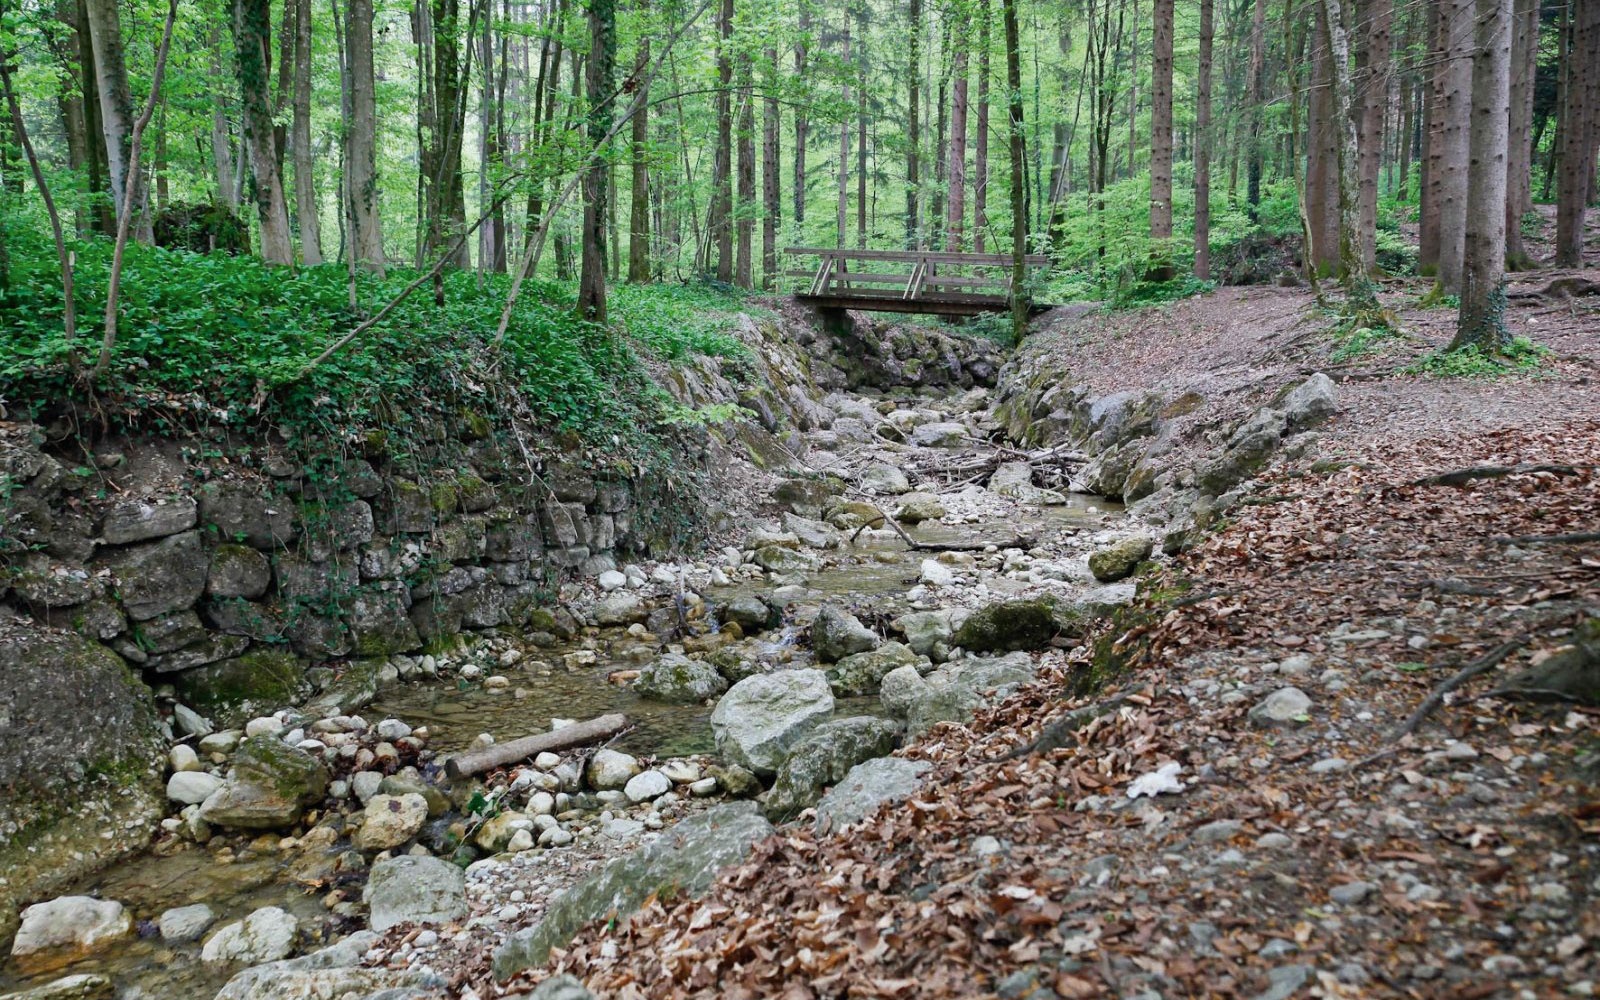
x=1482, y=665
x=977, y=545
x=603, y=727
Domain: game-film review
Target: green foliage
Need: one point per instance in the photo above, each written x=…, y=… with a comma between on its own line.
x=1522, y=357
x=1354, y=340
x=675, y=321
x=1150, y=293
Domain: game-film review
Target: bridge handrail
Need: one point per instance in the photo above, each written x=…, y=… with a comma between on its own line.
x=921, y=256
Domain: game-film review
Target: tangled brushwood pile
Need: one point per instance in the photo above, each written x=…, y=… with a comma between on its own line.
x=1238, y=822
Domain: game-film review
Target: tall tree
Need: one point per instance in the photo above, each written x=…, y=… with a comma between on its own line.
x=720, y=231
x=1361, y=296
x=744, y=211
x=1451, y=152
x=1519, y=143
x=1482, y=322
x=1019, y=202
x=116, y=106
x=598, y=85
x=771, y=198
x=304, y=182
x=1375, y=60
x=914, y=127
x=844, y=136
x=802, y=123
x=1202, y=149
x=980, y=154
x=361, y=165
x=1258, y=75
x=956, y=172
x=252, y=32
x=1579, y=132
x=1161, y=141
x=639, y=206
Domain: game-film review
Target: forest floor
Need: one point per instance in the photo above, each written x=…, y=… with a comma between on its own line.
x=1329, y=854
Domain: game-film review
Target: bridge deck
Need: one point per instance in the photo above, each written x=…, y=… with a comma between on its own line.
x=931, y=282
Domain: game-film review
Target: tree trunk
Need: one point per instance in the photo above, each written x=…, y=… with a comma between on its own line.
x=1519, y=149
x=980, y=161
x=1202, y=150
x=720, y=231
x=304, y=187
x=956, y=172
x=639, y=208
x=1578, y=128
x=941, y=120
x=598, y=84
x=1019, y=203
x=1374, y=97
x=771, y=197
x=1483, y=298
x=366, y=230
x=744, y=216
x=253, y=62
x=844, y=141
x=1322, y=157
x=1429, y=187
x=1360, y=295
x=1455, y=18
x=802, y=123
x=116, y=108
x=1161, y=143
x=1258, y=62
x=914, y=128
x=861, y=126
x=221, y=138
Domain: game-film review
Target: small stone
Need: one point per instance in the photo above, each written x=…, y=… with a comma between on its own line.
x=1283, y=982
x=1282, y=707
x=612, y=580
x=703, y=788
x=646, y=786
x=393, y=729
x=264, y=936
x=365, y=785
x=1274, y=841
x=391, y=820
x=223, y=742
x=1220, y=831
x=623, y=829
x=183, y=758
x=1351, y=893
x=555, y=837
x=547, y=761
x=192, y=787
x=186, y=923
x=263, y=726
x=541, y=804
x=610, y=769
x=936, y=573
x=1329, y=765
x=520, y=841
x=681, y=772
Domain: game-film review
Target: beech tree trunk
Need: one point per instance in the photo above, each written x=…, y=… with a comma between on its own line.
x=802, y=124
x=1322, y=156
x=1430, y=187
x=957, y=170
x=844, y=141
x=1360, y=295
x=914, y=129
x=1019, y=201
x=598, y=85
x=252, y=27
x=980, y=161
x=361, y=164
x=771, y=199
x=1161, y=142
x=1202, y=150
x=745, y=222
x=1483, y=299
x=721, y=230
x=116, y=109
x=639, y=207
x=1258, y=62
x=304, y=180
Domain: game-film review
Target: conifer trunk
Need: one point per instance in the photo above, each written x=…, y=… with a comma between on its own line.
x=1483, y=299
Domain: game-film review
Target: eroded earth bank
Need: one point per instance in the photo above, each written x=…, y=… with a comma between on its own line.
x=1164, y=656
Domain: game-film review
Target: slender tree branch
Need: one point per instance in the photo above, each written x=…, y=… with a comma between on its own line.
x=70, y=310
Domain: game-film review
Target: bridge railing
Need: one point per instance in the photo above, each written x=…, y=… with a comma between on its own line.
x=912, y=279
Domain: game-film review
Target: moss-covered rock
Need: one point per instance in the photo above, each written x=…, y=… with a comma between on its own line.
x=862, y=673
x=1006, y=626
x=824, y=758
x=271, y=785
x=676, y=678
x=230, y=691
x=1118, y=561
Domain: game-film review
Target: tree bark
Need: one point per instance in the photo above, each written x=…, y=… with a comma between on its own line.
x=843, y=205
x=639, y=208
x=366, y=229
x=221, y=137
x=304, y=184
x=1483, y=299
x=1455, y=17
x=745, y=222
x=116, y=109
x=1322, y=157
x=802, y=123
x=1019, y=203
x=914, y=129
x=956, y=172
x=1258, y=62
x=771, y=197
x=1519, y=149
x=861, y=125
x=1161, y=143
x=1379, y=45
x=1429, y=187
x=1578, y=128
x=464, y=765
x=598, y=85
x=1360, y=295
x=980, y=156
x=1202, y=150
x=720, y=234
x=252, y=27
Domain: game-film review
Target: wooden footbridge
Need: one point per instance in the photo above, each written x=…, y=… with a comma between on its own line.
x=909, y=281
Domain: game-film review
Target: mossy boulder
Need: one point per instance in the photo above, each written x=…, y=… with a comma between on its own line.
x=824, y=758
x=862, y=673
x=272, y=784
x=1571, y=673
x=1007, y=626
x=676, y=678
x=1118, y=561
x=230, y=691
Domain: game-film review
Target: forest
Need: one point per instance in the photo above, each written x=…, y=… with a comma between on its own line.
x=1150, y=147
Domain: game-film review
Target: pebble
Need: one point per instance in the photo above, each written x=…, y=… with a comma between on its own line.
x=265, y=725
x=183, y=758
x=547, y=761
x=520, y=841
x=1218, y=832
x=1329, y=764
x=223, y=742
x=393, y=729
x=185, y=923
x=703, y=788
x=1351, y=893
x=555, y=837
x=541, y=804
x=1274, y=841
x=646, y=786
x=681, y=772
x=623, y=829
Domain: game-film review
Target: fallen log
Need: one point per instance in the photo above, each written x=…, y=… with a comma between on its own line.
x=1460, y=477
x=464, y=765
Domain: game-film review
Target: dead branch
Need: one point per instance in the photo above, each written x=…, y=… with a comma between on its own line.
x=1430, y=704
x=1569, y=539
x=1058, y=731
x=1019, y=542
x=1458, y=477
x=603, y=727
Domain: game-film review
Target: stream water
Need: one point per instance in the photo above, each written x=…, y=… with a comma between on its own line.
x=236, y=880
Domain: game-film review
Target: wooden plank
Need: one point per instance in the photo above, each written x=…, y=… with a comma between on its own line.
x=958, y=281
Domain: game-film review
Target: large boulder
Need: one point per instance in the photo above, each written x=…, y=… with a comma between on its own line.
x=925, y=629
x=1027, y=623
x=685, y=859
x=333, y=973
x=885, y=479
x=154, y=578
x=1310, y=403
x=780, y=559
x=58, y=933
x=414, y=889
x=837, y=633
x=676, y=678
x=1015, y=480
x=1247, y=452
x=233, y=690
x=952, y=692
x=862, y=673
x=751, y=614
x=824, y=758
x=1118, y=560
x=762, y=718
x=271, y=786
x=266, y=935
x=914, y=508
x=940, y=435
x=867, y=786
